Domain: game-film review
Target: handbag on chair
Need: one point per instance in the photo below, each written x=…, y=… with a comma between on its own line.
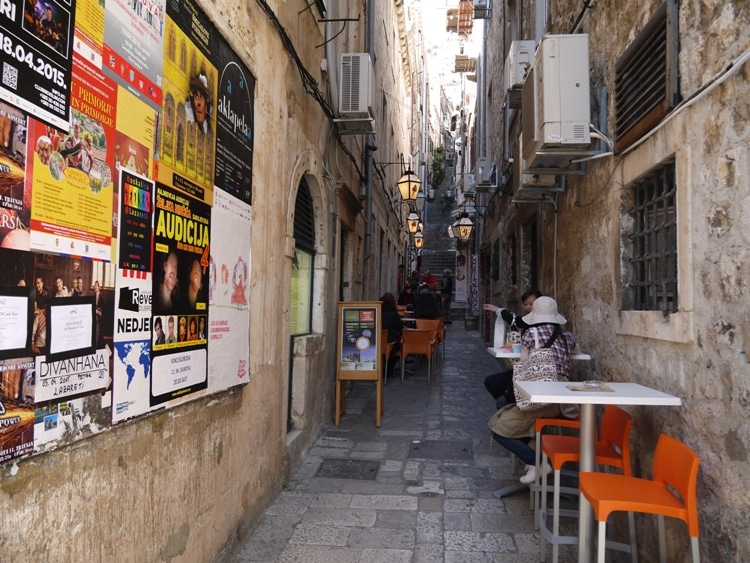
x=539, y=366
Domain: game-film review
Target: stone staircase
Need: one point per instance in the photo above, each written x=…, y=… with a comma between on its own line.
x=439, y=250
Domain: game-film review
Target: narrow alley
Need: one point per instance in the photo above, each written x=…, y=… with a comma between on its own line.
x=417, y=489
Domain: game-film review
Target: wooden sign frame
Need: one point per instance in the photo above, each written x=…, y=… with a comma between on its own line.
x=359, y=351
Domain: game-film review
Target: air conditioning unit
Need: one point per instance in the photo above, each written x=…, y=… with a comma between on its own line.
x=516, y=66
x=485, y=174
x=556, y=112
x=482, y=9
x=357, y=86
x=524, y=182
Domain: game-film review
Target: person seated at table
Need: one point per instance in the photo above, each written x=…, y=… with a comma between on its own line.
x=515, y=428
x=426, y=305
x=497, y=383
x=407, y=295
x=429, y=280
x=392, y=323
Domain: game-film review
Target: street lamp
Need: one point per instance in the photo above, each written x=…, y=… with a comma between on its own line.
x=413, y=221
x=420, y=201
x=418, y=239
x=409, y=185
x=464, y=227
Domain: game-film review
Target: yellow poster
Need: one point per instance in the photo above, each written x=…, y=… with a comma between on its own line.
x=187, y=151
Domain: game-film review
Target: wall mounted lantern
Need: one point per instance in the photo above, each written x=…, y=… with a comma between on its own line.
x=464, y=227
x=418, y=240
x=409, y=185
x=413, y=222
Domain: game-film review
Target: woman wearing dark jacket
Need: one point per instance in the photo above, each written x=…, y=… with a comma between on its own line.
x=391, y=321
x=497, y=383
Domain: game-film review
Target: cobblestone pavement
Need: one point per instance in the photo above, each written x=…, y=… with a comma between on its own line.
x=417, y=489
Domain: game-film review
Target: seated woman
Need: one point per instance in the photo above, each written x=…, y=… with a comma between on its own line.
x=392, y=323
x=515, y=428
x=497, y=383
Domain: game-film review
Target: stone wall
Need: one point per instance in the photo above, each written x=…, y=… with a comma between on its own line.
x=698, y=353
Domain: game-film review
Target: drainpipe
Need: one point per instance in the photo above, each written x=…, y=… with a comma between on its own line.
x=369, y=141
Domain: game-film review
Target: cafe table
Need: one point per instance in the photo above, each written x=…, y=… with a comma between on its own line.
x=605, y=393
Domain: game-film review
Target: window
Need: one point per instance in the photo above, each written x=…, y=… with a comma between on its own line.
x=653, y=260
x=302, y=264
x=647, y=77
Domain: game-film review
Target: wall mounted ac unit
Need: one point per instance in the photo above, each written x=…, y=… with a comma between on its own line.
x=357, y=87
x=556, y=111
x=485, y=174
x=482, y=9
x=516, y=66
x=525, y=183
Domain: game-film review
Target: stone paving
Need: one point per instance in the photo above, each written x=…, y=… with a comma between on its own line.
x=428, y=496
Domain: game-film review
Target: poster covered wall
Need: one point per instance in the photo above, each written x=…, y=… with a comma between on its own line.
x=107, y=175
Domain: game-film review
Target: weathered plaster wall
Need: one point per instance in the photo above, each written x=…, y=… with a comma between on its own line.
x=700, y=352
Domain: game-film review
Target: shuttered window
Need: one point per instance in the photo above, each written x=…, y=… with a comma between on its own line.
x=302, y=264
x=647, y=77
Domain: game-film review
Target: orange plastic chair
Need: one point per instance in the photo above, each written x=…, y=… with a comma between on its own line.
x=420, y=342
x=675, y=466
x=386, y=347
x=435, y=325
x=612, y=450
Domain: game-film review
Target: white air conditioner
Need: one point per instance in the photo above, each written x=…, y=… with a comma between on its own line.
x=516, y=66
x=485, y=174
x=357, y=86
x=482, y=9
x=523, y=182
x=556, y=112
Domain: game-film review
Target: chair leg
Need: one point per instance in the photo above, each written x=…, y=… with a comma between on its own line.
x=543, y=509
x=429, y=369
x=695, y=548
x=403, y=366
x=633, y=548
x=601, y=542
x=662, y=541
x=537, y=460
x=555, y=514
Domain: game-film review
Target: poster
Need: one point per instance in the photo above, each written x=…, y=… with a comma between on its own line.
x=461, y=276
x=15, y=201
x=74, y=376
x=70, y=175
x=136, y=218
x=131, y=365
x=229, y=292
x=359, y=350
x=234, y=125
x=36, y=56
x=134, y=135
x=180, y=293
x=188, y=118
x=134, y=47
x=16, y=408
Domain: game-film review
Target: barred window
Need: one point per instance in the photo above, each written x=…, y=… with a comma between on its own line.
x=653, y=260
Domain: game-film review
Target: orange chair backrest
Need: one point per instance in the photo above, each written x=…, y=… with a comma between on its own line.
x=417, y=341
x=430, y=324
x=616, y=425
x=677, y=464
x=385, y=345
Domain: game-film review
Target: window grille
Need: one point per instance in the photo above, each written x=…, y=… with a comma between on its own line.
x=647, y=77
x=654, y=251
